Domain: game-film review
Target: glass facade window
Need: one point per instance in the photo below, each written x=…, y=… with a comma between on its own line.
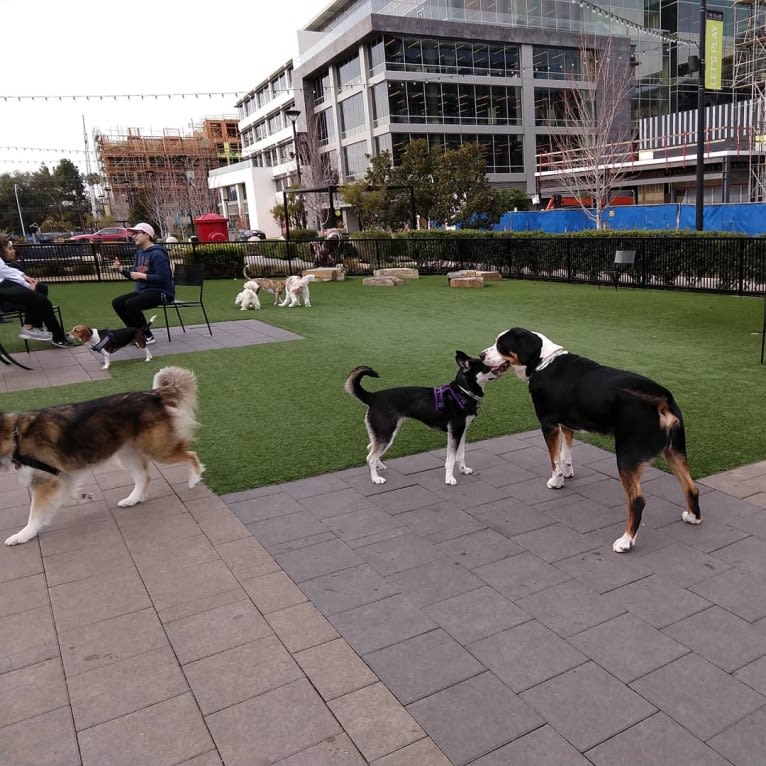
x=556, y=63
x=503, y=153
x=377, y=56
x=355, y=160
x=352, y=115
x=322, y=86
x=554, y=107
x=349, y=72
x=380, y=103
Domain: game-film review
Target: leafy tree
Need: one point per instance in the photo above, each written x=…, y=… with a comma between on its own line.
x=512, y=199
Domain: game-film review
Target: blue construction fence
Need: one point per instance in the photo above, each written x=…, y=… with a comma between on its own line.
x=747, y=219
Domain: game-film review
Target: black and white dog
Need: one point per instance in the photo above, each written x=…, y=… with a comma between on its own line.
x=449, y=408
x=571, y=393
x=106, y=342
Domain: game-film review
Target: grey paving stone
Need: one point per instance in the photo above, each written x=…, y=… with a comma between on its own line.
x=159, y=556
x=283, y=529
x=521, y=575
x=215, y=630
x=335, y=669
x=238, y=674
x=17, y=561
x=511, y=517
x=748, y=551
x=23, y=594
x=263, y=507
x=97, y=598
x=603, y=570
x=469, y=493
x=569, y=608
x=655, y=740
x=476, y=614
x=162, y=734
x=744, y=744
x=542, y=747
x=143, y=680
x=412, y=464
x=721, y=637
x=657, y=601
x=275, y=725
x=404, y=499
x=526, y=655
x=337, y=503
x=534, y=491
x=419, y=666
x=683, y=565
x=97, y=534
x=754, y=674
x=498, y=717
x=45, y=740
x=246, y=557
x=361, y=523
x=341, y=591
x=556, y=542
x=272, y=592
x=385, y=622
x=140, y=533
x=301, y=626
x=582, y=515
x=296, y=543
x=505, y=473
x=738, y=590
x=478, y=548
x=698, y=695
x=316, y=560
x=334, y=751
x=399, y=553
x=175, y=586
x=421, y=753
x=27, y=638
x=610, y=708
x=206, y=759
x=434, y=581
x=201, y=604
x=439, y=522
x=30, y=691
x=375, y=721
x=359, y=480
x=628, y=647
x=314, y=485
x=707, y=537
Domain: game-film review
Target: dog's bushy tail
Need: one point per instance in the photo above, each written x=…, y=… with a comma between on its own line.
x=353, y=384
x=246, y=272
x=178, y=388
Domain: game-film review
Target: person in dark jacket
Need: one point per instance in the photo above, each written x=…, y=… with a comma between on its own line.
x=153, y=277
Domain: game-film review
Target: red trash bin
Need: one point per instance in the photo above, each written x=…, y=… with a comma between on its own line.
x=212, y=227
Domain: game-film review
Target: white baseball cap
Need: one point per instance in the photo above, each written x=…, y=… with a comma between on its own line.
x=144, y=227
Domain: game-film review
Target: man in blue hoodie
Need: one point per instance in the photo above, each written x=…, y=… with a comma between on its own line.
x=153, y=277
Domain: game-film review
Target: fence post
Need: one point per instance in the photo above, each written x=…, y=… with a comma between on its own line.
x=741, y=268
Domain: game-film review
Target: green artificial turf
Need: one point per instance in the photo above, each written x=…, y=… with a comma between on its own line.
x=277, y=412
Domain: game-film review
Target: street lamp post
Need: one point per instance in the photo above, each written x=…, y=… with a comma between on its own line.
x=18, y=206
x=700, y=176
x=294, y=114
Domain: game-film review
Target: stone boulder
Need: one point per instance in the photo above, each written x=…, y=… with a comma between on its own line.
x=401, y=273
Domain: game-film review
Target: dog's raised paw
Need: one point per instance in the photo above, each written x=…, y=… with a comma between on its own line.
x=466, y=470
x=690, y=518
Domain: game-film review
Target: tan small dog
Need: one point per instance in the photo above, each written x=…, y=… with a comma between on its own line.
x=273, y=286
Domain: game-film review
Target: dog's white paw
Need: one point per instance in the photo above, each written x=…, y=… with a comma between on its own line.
x=451, y=480
x=129, y=501
x=623, y=544
x=466, y=470
x=378, y=480
x=690, y=518
x=195, y=476
x=555, y=482
x=568, y=471
x=20, y=537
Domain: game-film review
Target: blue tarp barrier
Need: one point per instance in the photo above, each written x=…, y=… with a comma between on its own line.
x=733, y=218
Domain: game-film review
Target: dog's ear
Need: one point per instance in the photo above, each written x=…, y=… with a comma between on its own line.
x=463, y=360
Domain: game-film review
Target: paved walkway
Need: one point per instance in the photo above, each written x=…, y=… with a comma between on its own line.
x=334, y=622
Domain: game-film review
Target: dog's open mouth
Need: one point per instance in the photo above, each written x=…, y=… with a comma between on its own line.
x=501, y=368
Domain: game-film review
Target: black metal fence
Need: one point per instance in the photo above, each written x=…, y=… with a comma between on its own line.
x=733, y=265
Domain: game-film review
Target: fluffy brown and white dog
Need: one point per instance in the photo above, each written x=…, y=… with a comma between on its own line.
x=54, y=447
x=572, y=393
x=297, y=288
x=106, y=342
x=247, y=298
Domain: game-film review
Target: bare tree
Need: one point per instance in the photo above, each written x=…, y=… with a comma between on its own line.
x=317, y=172
x=593, y=157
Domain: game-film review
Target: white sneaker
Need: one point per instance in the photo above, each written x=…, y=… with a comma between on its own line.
x=149, y=340
x=35, y=333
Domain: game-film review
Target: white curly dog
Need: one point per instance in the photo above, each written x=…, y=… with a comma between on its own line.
x=247, y=299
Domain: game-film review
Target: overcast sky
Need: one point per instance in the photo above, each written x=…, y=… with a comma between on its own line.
x=144, y=47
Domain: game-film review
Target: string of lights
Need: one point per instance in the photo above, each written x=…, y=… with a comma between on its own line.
x=122, y=96
x=41, y=149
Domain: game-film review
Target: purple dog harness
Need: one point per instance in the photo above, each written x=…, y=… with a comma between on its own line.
x=442, y=392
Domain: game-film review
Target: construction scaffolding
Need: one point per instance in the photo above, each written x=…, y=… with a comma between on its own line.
x=749, y=77
x=165, y=176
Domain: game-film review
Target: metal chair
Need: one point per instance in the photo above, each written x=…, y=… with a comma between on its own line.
x=622, y=258
x=186, y=275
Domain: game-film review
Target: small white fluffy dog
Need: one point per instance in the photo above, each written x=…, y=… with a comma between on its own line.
x=247, y=299
x=296, y=288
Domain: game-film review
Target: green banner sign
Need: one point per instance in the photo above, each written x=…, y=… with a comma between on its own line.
x=713, y=49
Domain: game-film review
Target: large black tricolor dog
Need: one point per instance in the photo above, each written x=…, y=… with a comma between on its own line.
x=450, y=408
x=571, y=393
